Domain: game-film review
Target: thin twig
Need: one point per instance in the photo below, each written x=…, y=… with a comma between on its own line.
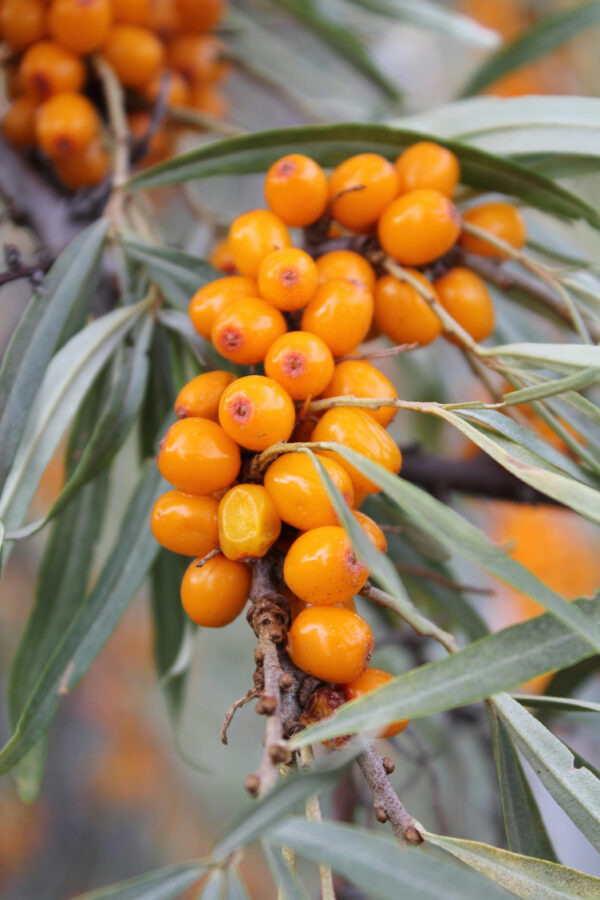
x=237, y=704
x=429, y=575
x=379, y=354
x=196, y=119
x=33, y=272
x=412, y=616
x=209, y=555
x=385, y=800
x=313, y=814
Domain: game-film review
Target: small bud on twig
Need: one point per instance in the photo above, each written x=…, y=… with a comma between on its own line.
x=252, y=785
x=381, y=815
x=388, y=765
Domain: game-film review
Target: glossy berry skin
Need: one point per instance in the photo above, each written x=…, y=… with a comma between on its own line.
x=370, y=680
x=372, y=530
x=256, y=412
x=464, y=295
x=298, y=494
x=198, y=457
x=200, y=15
x=245, y=330
x=296, y=190
x=18, y=124
x=221, y=258
x=360, y=189
x=210, y=301
x=321, y=567
x=130, y=12
x=249, y=523
x=402, y=314
x=254, y=235
x=22, y=22
x=340, y=314
x=135, y=53
x=357, y=430
x=216, y=593
x=66, y=124
x=358, y=378
x=83, y=169
x=200, y=396
x=418, y=227
x=428, y=165
x=79, y=25
x=502, y=220
x=47, y=69
x=197, y=59
x=287, y=278
x=331, y=643
x=345, y=264
x=301, y=363
x=184, y=523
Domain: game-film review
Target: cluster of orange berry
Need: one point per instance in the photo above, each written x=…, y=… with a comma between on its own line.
x=47, y=70
x=297, y=317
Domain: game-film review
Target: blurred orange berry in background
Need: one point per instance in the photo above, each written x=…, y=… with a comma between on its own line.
x=502, y=220
x=22, y=22
x=135, y=53
x=66, y=124
x=79, y=25
x=46, y=69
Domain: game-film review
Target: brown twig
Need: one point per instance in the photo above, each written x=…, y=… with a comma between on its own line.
x=386, y=802
x=237, y=704
x=34, y=272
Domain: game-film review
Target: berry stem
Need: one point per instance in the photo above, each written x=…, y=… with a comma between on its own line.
x=411, y=616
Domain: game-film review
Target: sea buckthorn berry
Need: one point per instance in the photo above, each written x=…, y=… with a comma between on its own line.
x=135, y=53
x=18, y=124
x=22, y=22
x=402, y=314
x=370, y=680
x=321, y=566
x=357, y=430
x=360, y=189
x=502, y=220
x=256, y=412
x=358, y=378
x=130, y=12
x=253, y=235
x=214, y=594
x=200, y=15
x=200, y=396
x=296, y=190
x=331, y=643
x=418, y=227
x=83, y=169
x=198, y=457
x=345, y=264
x=207, y=98
x=287, y=278
x=245, y=330
x=322, y=703
x=160, y=144
x=178, y=90
x=301, y=363
x=163, y=18
x=464, y=295
x=298, y=493
x=196, y=58
x=66, y=124
x=79, y=25
x=340, y=314
x=249, y=523
x=210, y=301
x=47, y=68
x=186, y=524
x=372, y=530
x=222, y=259
x=428, y=165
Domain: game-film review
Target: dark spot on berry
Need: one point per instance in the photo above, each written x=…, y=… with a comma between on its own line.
x=289, y=276
x=286, y=168
x=294, y=364
x=41, y=83
x=240, y=408
x=231, y=338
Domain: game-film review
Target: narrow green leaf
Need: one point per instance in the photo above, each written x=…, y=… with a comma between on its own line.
x=544, y=35
x=553, y=356
x=500, y=661
x=566, y=682
x=434, y=17
x=169, y=621
x=578, y=381
x=577, y=790
x=288, y=885
x=37, y=336
x=214, y=887
x=180, y=322
x=566, y=704
x=163, y=884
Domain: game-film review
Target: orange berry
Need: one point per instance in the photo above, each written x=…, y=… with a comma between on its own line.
x=345, y=264
x=340, y=314
x=22, y=22
x=200, y=396
x=83, y=169
x=321, y=566
x=130, y=12
x=402, y=314
x=222, y=259
x=418, y=227
x=372, y=531
x=198, y=457
x=207, y=98
x=245, y=330
x=163, y=18
x=160, y=145
x=249, y=523
x=197, y=58
x=210, y=301
x=185, y=524
x=502, y=220
x=301, y=363
x=135, y=53
x=287, y=278
x=47, y=68
x=428, y=165
x=370, y=680
x=200, y=15
x=360, y=189
x=214, y=594
x=80, y=25
x=358, y=378
x=256, y=412
x=296, y=190
x=178, y=90
x=331, y=643
x=66, y=124
x=464, y=295
x=357, y=430
x=298, y=493
x=253, y=235
x=18, y=124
